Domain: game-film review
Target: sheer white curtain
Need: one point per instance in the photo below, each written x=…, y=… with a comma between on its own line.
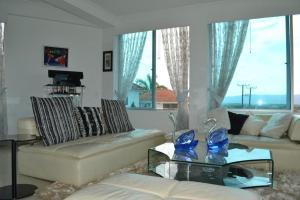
x=176, y=43
x=226, y=44
x=131, y=48
x=3, y=117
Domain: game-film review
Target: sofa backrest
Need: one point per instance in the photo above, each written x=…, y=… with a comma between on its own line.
x=265, y=117
x=27, y=125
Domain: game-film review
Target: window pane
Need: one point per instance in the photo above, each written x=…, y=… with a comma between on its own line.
x=165, y=96
x=296, y=45
x=152, y=58
x=260, y=79
x=140, y=95
x=1, y=37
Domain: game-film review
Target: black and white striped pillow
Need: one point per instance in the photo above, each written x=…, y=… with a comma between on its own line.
x=90, y=121
x=115, y=116
x=55, y=119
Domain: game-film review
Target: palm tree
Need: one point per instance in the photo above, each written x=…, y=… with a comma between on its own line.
x=145, y=84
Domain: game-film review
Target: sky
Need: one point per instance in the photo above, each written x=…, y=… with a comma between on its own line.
x=263, y=53
x=162, y=76
x=263, y=58
x=296, y=33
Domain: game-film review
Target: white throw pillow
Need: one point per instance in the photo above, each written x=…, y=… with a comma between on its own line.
x=253, y=125
x=222, y=117
x=277, y=125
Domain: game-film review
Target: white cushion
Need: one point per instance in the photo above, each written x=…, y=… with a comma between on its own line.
x=277, y=125
x=294, y=129
x=141, y=187
x=253, y=125
x=222, y=117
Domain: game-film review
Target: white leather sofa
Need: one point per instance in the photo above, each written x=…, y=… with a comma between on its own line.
x=86, y=159
x=138, y=187
x=285, y=151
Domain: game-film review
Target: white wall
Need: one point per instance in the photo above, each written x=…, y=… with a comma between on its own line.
x=197, y=17
x=25, y=73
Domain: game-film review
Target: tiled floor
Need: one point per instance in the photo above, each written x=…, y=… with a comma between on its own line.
x=5, y=171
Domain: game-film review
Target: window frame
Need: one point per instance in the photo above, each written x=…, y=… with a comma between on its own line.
x=153, y=89
x=289, y=71
x=153, y=70
x=295, y=107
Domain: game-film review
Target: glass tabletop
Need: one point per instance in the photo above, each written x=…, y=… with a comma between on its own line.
x=200, y=155
x=18, y=137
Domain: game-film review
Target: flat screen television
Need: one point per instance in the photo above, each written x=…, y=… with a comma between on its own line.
x=65, y=78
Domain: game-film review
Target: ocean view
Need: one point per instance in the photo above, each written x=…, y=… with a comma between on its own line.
x=260, y=101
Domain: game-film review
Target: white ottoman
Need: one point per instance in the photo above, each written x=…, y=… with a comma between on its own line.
x=141, y=187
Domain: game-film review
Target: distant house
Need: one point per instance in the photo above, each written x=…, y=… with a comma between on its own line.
x=133, y=97
x=165, y=99
x=138, y=97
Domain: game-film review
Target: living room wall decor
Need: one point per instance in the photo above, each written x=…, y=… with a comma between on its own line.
x=55, y=56
x=107, y=61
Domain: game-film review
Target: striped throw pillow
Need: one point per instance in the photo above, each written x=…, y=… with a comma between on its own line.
x=55, y=119
x=90, y=121
x=115, y=116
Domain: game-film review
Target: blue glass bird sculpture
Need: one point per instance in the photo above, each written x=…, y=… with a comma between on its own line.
x=186, y=140
x=217, y=140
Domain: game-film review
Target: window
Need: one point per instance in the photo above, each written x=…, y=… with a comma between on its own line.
x=141, y=93
x=151, y=87
x=1, y=38
x=296, y=61
x=262, y=76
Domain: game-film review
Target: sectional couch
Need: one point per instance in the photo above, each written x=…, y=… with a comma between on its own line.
x=86, y=159
x=81, y=161
x=285, y=150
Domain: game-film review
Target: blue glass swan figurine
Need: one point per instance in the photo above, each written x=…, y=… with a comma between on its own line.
x=186, y=141
x=216, y=140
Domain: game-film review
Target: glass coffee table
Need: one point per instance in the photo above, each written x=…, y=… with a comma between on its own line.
x=240, y=167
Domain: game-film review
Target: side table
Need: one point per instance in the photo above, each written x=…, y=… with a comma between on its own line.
x=16, y=191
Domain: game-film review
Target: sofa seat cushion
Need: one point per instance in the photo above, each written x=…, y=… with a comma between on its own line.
x=134, y=186
x=85, y=147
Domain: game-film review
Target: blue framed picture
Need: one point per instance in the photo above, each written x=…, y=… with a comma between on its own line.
x=55, y=56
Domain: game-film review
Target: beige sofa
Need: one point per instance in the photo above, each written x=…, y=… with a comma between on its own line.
x=84, y=160
x=285, y=151
x=135, y=186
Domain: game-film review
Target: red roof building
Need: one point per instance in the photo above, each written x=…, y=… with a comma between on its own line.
x=165, y=95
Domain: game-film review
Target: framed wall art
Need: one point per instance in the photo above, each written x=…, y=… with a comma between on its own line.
x=55, y=56
x=107, y=61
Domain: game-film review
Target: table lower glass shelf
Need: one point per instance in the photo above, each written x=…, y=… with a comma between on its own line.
x=242, y=175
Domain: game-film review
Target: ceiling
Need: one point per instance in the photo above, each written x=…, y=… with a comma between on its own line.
x=107, y=13
x=126, y=7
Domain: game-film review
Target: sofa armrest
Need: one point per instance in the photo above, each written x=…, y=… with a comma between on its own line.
x=27, y=125
x=294, y=129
